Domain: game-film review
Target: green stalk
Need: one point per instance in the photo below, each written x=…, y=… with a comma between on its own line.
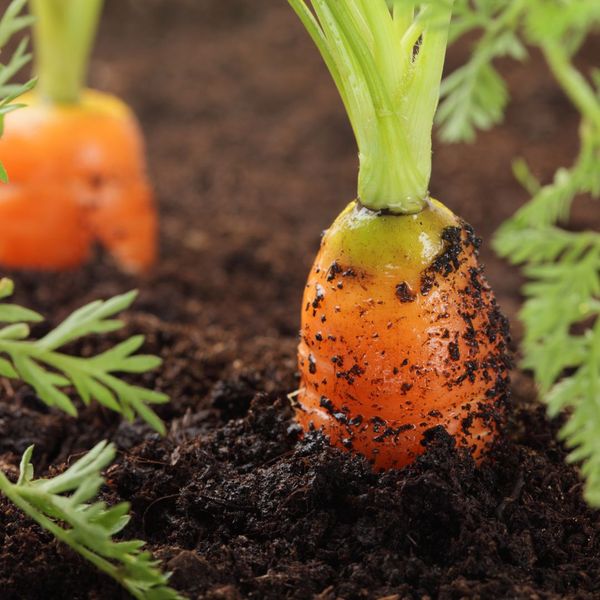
x=390, y=91
x=573, y=83
x=64, y=32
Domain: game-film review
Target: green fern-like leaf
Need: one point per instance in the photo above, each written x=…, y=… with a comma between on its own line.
x=41, y=364
x=65, y=506
x=13, y=22
x=561, y=314
x=580, y=395
x=474, y=97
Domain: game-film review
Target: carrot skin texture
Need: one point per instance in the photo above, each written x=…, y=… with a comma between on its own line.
x=77, y=176
x=401, y=333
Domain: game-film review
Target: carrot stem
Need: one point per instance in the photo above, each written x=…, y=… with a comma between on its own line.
x=64, y=32
x=386, y=58
x=574, y=84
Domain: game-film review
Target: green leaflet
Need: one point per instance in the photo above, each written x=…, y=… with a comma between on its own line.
x=41, y=364
x=65, y=506
x=12, y=22
x=561, y=313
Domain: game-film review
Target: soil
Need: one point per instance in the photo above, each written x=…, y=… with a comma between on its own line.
x=252, y=157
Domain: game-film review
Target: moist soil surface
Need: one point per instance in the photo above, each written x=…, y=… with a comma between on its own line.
x=252, y=157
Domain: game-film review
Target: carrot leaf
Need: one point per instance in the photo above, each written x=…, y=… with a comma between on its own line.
x=64, y=505
x=13, y=22
x=474, y=97
x=43, y=365
x=561, y=314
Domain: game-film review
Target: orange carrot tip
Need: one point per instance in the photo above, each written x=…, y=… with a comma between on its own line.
x=75, y=158
x=400, y=330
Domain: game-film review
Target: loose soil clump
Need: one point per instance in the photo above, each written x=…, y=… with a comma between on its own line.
x=243, y=508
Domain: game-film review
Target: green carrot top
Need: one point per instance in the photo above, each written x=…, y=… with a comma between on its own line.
x=64, y=32
x=386, y=58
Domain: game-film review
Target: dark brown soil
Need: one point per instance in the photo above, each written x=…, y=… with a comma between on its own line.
x=252, y=157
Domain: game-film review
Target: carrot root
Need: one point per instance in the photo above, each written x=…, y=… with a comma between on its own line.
x=77, y=177
x=401, y=333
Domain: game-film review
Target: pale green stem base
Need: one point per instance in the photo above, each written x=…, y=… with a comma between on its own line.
x=64, y=32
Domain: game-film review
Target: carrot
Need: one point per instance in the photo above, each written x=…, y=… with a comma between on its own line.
x=400, y=330
x=75, y=157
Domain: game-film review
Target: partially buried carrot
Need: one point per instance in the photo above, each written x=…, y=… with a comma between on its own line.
x=75, y=158
x=400, y=330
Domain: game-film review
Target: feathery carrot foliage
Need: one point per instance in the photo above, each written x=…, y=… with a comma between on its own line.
x=561, y=314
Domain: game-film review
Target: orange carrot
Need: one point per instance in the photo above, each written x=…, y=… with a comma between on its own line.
x=400, y=337
x=400, y=331
x=76, y=161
